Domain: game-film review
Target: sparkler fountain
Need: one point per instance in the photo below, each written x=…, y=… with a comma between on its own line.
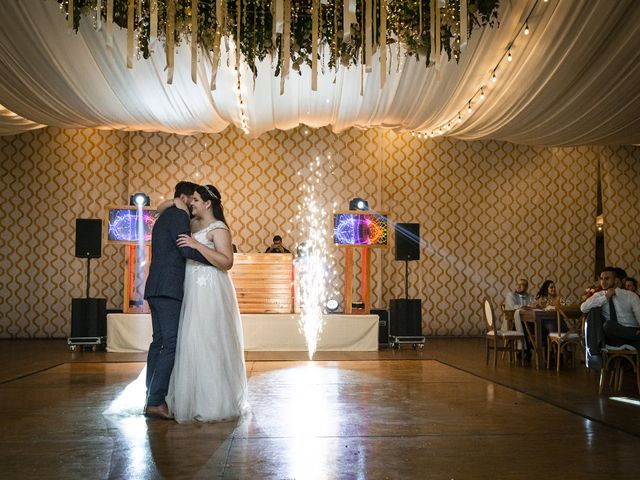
x=312, y=265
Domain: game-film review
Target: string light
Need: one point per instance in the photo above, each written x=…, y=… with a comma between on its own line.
x=445, y=126
x=244, y=124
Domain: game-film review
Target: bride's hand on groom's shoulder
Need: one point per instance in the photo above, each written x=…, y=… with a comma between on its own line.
x=185, y=240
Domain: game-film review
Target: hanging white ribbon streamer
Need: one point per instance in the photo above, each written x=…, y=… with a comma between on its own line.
x=286, y=45
x=349, y=17
x=432, y=30
x=170, y=32
x=131, y=14
x=368, y=33
x=420, y=19
x=109, y=23
x=99, y=16
x=437, y=41
x=215, y=54
x=279, y=16
x=383, y=42
x=464, y=28
x=315, y=8
x=153, y=20
x=194, y=41
x=70, y=15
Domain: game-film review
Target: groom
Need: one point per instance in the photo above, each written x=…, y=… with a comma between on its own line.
x=163, y=292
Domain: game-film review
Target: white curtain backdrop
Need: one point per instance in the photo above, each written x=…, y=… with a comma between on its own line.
x=575, y=79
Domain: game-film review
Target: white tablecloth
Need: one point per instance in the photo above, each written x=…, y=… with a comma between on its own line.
x=262, y=332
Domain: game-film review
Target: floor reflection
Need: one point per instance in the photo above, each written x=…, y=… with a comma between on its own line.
x=306, y=414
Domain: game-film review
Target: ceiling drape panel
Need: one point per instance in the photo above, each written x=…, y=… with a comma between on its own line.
x=575, y=79
x=10, y=123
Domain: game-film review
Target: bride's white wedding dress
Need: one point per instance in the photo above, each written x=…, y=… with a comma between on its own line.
x=209, y=380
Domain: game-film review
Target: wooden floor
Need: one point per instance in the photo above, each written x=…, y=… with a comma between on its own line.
x=438, y=413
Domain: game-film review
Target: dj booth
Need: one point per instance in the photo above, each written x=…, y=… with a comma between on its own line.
x=270, y=322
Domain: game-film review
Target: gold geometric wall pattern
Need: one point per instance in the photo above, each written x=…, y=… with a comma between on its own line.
x=620, y=169
x=488, y=211
x=50, y=177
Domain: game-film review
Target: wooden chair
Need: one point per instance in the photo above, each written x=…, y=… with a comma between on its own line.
x=573, y=318
x=613, y=361
x=508, y=321
x=497, y=339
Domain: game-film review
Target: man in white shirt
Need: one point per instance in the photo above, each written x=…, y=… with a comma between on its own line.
x=620, y=312
x=519, y=298
x=515, y=300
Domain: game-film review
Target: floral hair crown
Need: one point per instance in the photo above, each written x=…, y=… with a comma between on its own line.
x=211, y=194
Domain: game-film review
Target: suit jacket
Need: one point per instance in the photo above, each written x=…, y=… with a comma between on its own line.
x=166, y=272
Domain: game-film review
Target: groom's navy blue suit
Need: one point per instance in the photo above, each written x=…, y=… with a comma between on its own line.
x=164, y=291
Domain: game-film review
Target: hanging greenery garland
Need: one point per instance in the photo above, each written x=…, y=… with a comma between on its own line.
x=407, y=24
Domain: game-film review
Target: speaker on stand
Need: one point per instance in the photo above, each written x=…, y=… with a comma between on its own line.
x=88, y=315
x=406, y=313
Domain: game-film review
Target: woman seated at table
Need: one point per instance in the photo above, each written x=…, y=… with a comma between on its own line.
x=547, y=298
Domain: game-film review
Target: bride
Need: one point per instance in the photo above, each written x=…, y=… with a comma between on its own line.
x=209, y=380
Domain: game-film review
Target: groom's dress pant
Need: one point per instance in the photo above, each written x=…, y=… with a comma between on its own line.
x=165, y=317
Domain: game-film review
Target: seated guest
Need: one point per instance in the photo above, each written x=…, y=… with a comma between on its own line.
x=276, y=246
x=631, y=284
x=520, y=297
x=547, y=296
x=515, y=300
x=618, y=322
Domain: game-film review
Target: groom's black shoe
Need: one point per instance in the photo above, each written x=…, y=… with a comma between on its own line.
x=161, y=411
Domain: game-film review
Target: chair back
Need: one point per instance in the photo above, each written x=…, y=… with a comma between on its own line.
x=489, y=316
x=572, y=317
x=508, y=321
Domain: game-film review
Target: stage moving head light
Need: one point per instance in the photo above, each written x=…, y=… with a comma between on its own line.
x=358, y=204
x=139, y=200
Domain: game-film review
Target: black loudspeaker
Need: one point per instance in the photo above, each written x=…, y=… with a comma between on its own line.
x=406, y=317
x=88, y=317
x=383, y=325
x=88, y=238
x=407, y=241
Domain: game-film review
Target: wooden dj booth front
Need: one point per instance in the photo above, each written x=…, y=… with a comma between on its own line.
x=265, y=289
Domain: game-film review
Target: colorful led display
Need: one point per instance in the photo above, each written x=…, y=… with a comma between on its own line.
x=125, y=223
x=363, y=229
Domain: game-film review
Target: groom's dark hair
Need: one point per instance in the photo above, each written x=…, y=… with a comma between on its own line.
x=185, y=188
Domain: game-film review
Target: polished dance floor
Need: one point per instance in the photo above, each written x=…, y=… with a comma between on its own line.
x=439, y=414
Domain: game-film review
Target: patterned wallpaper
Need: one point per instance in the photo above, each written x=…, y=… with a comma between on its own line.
x=621, y=208
x=49, y=178
x=488, y=211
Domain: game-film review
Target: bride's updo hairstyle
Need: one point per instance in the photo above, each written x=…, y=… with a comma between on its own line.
x=211, y=193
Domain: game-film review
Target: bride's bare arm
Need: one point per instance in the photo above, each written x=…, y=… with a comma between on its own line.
x=220, y=257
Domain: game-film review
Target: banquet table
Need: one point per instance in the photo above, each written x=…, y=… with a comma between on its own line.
x=532, y=319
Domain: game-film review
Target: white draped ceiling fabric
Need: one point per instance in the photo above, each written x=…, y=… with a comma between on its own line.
x=574, y=80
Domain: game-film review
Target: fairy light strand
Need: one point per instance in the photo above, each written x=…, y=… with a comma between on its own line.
x=479, y=95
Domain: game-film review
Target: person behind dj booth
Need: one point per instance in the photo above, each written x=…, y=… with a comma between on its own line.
x=276, y=246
